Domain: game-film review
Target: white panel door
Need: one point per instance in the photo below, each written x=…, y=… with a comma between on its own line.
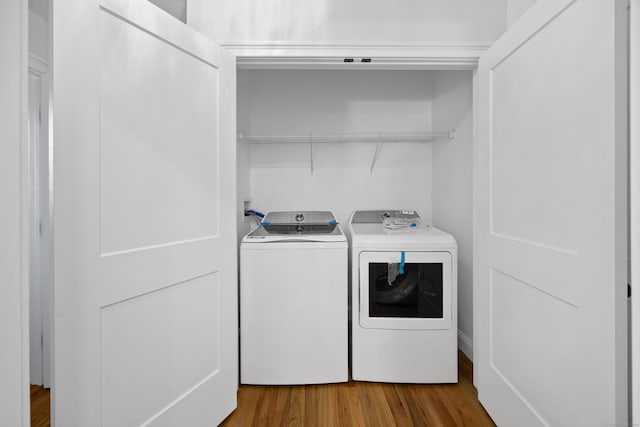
x=634, y=203
x=14, y=272
x=550, y=273
x=145, y=251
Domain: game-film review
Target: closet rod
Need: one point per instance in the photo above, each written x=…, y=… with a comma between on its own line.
x=354, y=137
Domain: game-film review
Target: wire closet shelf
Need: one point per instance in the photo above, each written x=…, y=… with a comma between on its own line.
x=372, y=137
x=378, y=138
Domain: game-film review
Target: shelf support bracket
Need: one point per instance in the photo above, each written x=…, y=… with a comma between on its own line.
x=311, y=166
x=375, y=155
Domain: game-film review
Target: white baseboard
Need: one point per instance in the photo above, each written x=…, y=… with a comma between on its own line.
x=465, y=345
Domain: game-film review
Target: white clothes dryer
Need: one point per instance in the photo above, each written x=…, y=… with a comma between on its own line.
x=404, y=293
x=294, y=300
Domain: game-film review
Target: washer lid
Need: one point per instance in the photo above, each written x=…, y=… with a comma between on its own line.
x=309, y=226
x=300, y=217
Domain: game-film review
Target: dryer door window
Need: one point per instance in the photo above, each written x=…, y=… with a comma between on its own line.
x=416, y=292
x=410, y=290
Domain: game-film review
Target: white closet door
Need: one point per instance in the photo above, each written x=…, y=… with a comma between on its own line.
x=551, y=254
x=145, y=250
x=634, y=203
x=14, y=272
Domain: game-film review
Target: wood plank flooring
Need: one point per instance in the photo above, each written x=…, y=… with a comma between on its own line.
x=363, y=404
x=40, y=406
x=348, y=404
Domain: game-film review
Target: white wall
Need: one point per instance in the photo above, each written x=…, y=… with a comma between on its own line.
x=14, y=353
x=38, y=36
x=40, y=7
x=353, y=21
x=176, y=8
x=243, y=119
x=298, y=102
x=516, y=8
x=453, y=184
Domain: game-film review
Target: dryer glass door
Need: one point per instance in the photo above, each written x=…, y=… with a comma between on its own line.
x=405, y=290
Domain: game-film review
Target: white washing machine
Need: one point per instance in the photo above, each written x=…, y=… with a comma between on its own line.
x=404, y=293
x=294, y=300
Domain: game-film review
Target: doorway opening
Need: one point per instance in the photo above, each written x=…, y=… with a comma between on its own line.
x=40, y=161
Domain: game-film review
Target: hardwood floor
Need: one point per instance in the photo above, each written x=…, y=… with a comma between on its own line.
x=40, y=406
x=348, y=404
x=363, y=404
